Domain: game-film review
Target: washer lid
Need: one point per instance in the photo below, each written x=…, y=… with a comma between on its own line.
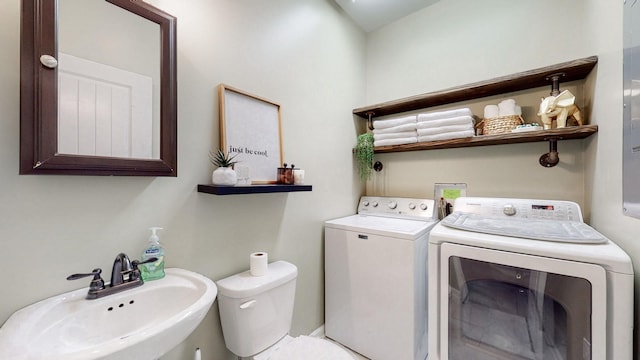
x=384, y=226
x=244, y=284
x=536, y=229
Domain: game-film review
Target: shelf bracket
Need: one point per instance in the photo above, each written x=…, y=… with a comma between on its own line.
x=370, y=119
x=551, y=158
x=555, y=82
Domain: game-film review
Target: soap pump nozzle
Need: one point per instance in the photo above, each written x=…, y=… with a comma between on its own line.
x=154, y=237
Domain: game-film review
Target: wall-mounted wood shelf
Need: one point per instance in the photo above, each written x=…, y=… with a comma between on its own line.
x=572, y=70
x=568, y=71
x=568, y=133
x=251, y=189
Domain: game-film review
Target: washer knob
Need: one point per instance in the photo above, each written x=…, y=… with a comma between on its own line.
x=509, y=210
x=423, y=206
x=365, y=203
x=375, y=204
x=393, y=204
x=412, y=206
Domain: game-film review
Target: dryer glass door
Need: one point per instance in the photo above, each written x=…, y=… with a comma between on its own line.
x=503, y=305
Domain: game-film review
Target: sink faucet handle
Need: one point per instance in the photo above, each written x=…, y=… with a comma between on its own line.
x=135, y=263
x=135, y=272
x=97, y=282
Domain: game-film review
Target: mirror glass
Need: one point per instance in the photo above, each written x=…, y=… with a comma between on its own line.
x=98, y=88
x=108, y=81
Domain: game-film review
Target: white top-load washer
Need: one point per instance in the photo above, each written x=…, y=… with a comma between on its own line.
x=376, y=278
x=526, y=279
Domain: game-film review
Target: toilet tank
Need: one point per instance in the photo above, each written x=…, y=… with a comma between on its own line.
x=256, y=311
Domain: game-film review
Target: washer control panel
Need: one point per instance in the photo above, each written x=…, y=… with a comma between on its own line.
x=406, y=208
x=520, y=208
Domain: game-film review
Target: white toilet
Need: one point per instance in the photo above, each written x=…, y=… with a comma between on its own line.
x=256, y=313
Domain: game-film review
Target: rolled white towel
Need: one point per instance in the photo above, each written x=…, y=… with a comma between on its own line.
x=447, y=136
x=397, y=135
x=398, y=141
x=491, y=111
x=507, y=107
x=395, y=129
x=438, y=115
x=458, y=120
x=443, y=129
x=384, y=124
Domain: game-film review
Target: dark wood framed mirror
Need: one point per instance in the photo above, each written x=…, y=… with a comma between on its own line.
x=39, y=93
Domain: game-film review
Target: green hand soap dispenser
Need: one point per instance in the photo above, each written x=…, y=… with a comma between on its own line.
x=154, y=270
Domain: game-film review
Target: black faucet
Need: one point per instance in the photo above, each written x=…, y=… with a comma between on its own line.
x=121, y=268
x=124, y=275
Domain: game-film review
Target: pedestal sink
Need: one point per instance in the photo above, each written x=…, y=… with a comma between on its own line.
x=142, y=323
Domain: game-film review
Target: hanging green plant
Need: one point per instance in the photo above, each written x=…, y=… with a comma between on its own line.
x=364, y=155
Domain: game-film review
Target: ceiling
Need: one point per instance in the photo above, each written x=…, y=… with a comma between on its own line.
x=373, y=14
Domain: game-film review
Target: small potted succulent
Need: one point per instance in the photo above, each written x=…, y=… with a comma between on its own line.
x=224, y=173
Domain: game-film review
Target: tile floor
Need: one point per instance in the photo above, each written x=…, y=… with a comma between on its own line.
x=355, y=355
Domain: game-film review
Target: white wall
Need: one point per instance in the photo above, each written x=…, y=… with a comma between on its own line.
x=456, y=42
x=305, y=55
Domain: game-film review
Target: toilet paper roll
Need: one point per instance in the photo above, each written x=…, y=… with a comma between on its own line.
x=258, y=262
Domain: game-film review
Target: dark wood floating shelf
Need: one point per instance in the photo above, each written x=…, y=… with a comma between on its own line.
x=568, y=133
x=571, y=70
x=251, y=189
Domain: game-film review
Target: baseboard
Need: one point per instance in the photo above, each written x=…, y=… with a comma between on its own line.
x=319, y=332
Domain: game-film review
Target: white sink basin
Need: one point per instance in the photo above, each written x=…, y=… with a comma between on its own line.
x=142, y=323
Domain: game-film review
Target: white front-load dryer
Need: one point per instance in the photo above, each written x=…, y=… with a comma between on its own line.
x=527, y=280
x=376, y=278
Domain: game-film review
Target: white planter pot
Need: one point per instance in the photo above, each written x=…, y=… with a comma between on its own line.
x=224, y=176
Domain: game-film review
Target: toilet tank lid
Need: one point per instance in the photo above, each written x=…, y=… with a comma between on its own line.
x=244, y=284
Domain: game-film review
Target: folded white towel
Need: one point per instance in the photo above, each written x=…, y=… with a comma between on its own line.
x=444, y=129
x=399, y=141
x=446, y=136
x=438, y=115
x=458, y=120
x=507, y=107
x=397, y=135
x=395, y=129
x=491, y=111
x=384, y=124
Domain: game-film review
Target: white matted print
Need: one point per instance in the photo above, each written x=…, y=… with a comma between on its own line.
x=250, y=130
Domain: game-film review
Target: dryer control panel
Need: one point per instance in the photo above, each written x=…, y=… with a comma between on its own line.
x=405, y=208
x=520, y=208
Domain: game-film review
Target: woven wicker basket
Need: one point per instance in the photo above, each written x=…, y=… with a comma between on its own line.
x=498, y=125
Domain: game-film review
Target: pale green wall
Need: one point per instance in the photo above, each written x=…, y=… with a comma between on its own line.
x=305, y=55
x=457, y=42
